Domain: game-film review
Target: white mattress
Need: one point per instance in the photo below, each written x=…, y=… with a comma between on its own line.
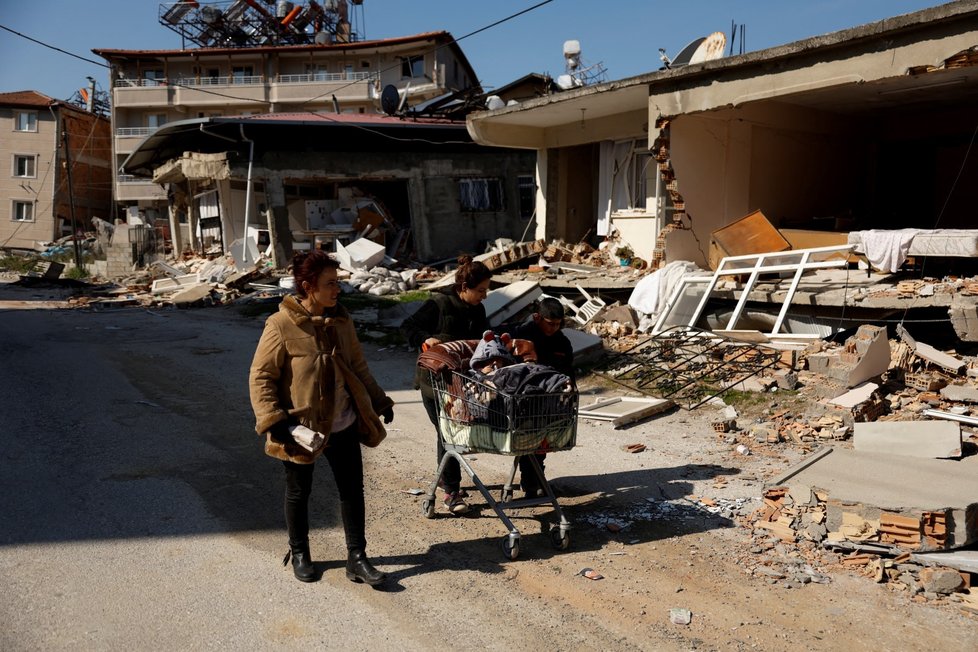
x=888, y=249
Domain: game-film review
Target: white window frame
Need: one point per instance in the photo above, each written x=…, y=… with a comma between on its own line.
x=30, y=174
x=31, y=117
x=28, y=204
x=629, y=176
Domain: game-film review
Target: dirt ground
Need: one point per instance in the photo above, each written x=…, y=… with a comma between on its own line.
x=639, y=520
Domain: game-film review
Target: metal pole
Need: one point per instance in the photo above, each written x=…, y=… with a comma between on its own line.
x=71, y=200
x=251, y=158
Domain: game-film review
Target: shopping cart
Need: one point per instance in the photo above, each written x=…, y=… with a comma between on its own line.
x=476, y=417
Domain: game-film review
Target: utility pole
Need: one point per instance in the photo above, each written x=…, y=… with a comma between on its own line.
x=71, y=200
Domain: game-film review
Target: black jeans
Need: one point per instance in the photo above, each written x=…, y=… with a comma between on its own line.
x=529, y=479
x=343, y=454
x=452, y=475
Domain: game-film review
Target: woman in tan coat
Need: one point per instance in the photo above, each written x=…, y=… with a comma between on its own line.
x=309, y=370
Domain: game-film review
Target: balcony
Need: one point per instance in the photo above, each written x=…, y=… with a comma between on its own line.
x=130, y=188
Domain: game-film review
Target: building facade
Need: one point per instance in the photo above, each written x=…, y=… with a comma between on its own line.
x=151, y=88
x=55, y=173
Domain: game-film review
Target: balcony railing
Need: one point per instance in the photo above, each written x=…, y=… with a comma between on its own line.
x=245, y=80
x=135, y=131
x=248, y=80
x=325, y=77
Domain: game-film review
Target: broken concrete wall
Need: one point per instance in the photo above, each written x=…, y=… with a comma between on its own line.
x=439, y=228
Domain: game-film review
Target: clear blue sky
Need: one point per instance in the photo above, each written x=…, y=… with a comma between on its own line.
x=625, y=35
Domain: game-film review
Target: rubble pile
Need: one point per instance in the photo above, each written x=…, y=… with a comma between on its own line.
x=878, y=544
x=381, y=281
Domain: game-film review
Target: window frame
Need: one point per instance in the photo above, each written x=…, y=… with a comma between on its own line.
x=31, y=174
x=408, y=66
x=495, y=195
x=32, y=122
x=631, y=178
x=27, y=203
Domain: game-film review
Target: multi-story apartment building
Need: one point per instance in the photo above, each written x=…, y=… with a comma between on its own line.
x=55, y=169
x=153, y=87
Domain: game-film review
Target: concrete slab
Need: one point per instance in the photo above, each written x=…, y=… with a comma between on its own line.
x=874, y=347
x=927, y=439
x=172, y=284
x=901, y=484
x=962, y=560
x=859, y=394
x=941, y=359
x=960, y=393
x=586, y=345
x=192, y=294
x=503, y=303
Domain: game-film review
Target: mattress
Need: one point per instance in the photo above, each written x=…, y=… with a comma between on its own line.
x=888, y=249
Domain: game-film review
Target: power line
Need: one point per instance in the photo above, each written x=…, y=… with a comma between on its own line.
x=70, y=54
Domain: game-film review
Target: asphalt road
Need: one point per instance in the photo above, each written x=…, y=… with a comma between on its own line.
x=138, y=512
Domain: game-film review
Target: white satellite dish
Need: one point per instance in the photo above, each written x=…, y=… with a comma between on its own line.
x=572, y=54
x=711, y=48
x=494, y=102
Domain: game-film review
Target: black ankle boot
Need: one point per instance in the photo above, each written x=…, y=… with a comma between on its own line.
x=359, y=569
x=302, y=565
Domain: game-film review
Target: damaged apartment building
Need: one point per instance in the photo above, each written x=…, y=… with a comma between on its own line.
x=271, y=132
x=863, y=130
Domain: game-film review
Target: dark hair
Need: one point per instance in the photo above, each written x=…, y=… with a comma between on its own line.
x=550, y=308
x=308, y=265
x=470, y=273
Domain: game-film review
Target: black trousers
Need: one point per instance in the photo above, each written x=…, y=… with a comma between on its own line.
x=452, y=475
x=529, y=479
x=344, y=457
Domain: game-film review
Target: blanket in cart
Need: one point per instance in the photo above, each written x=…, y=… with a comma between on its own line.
x=518, y=409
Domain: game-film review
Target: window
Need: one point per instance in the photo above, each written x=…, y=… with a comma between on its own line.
x=240, y=74
x=364, y=64
x=153, y=77
x=629, y=169
x=25, y=165
x=480, y=194
x=26, y=121
x=23, y=211
x=155, y=120
x=527, y=187
x=412, y=67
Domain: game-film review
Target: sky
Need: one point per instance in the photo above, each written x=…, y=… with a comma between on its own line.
x=622, y=35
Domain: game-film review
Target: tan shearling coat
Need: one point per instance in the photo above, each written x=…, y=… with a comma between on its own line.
x=292, y=375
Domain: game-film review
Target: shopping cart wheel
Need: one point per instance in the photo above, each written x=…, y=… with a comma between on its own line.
x=511, y=546
x=560, y=540
x=428, y=508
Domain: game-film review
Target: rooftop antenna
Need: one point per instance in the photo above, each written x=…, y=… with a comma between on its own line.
x=576, y=73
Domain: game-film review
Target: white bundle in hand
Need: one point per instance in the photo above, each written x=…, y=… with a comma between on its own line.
x=307, y=438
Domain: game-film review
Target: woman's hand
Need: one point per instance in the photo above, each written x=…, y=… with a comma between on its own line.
x=388, y=414
x=430, y=342
x=280, y=432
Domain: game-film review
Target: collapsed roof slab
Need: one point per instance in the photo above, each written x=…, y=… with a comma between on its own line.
x=894, y=483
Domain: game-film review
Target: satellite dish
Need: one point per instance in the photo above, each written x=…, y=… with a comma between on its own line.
x=711, y=48
x=321, y=38
x=494, y=102
x=390, y=99
x=686, y=53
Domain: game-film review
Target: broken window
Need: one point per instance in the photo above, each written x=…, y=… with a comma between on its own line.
x=628, y=184
x=412, y=66
x=481, y=194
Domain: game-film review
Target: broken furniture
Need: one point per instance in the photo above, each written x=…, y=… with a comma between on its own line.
x=586, y=311
x=752, y=234
x=795, y=262
x=687, y=365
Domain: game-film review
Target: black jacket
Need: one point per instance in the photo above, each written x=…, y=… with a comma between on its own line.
x=446, y=317
x=554, y=351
